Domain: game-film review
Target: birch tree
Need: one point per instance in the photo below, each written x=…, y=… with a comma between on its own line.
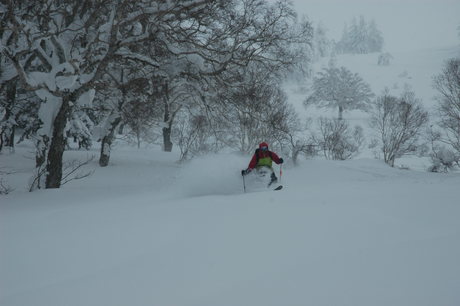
x=399, y=122
x=447, y=83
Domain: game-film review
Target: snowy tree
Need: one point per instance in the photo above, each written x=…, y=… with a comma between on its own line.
x=447, y=83
x=209, y=53
x=64, y=50
x=290, y=137
x=339, y=88
x=375, y=38
x=337, y=139
x=342, y=45
x=360, y=37
x=141, y=112
x=194, y=137
x=69, y=45
x=25, y=113
x=322, y=44
x=250, y=111
x=173, y=94
x=443, y=157
x=8, y=94
x=8, y=109
x=399, y=123
x=124, y=88
x=286, y=44
x=73, y=43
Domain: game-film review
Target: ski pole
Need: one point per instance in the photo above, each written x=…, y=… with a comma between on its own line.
x=244, y=184
x=281, y=171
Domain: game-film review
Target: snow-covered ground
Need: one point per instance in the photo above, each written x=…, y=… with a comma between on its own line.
x=148, y=231
x=145, y=231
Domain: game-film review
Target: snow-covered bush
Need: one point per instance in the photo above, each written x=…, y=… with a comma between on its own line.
x=193, y=136
x=4, y=187
x=79, y=129
x=384, y=59
x=337, y=140
x=443, y=160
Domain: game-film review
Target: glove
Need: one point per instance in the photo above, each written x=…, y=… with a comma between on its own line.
x=244, y=172
x=281, y=160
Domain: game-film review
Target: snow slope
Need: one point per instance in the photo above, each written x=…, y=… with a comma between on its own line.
x=413, y=70
x=148, y=231
x=145, y=231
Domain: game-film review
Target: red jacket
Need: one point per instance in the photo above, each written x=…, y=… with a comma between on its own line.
x=261, y=154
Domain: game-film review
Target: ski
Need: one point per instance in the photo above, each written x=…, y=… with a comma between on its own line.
x=279, y=187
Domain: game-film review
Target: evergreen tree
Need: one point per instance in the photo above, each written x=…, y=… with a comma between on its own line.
x=321, y=43
x=360, y=37
x=375, y=38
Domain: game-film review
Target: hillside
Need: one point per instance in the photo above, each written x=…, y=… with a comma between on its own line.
x=415, y=69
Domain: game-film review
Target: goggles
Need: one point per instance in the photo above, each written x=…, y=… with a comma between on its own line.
x=264, y=148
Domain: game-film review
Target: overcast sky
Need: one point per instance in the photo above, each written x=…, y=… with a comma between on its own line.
x=406, y=24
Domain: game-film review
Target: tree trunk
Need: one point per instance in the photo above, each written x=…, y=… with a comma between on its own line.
x=107, y=142
x=8, y=134
x=10, y=138
x=41, y=148
x=57, y=145
x=138, y=135
x=389, y=159
x=121, y=129
x=392, y=161
x=340, y=112
x=295, y=155
x=167, y=143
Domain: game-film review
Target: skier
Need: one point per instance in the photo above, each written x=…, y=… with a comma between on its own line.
x=263, y=158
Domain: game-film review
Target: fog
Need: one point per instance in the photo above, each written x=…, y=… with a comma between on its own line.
x=406, y=24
